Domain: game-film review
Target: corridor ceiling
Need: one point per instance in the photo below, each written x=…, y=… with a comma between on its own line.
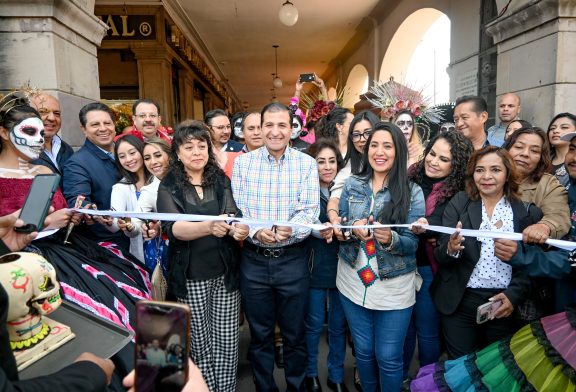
x=239, y=34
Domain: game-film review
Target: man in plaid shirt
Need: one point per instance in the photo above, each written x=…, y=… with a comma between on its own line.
x=276, y=183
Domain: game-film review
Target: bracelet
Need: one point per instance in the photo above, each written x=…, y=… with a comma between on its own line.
x=332, y=209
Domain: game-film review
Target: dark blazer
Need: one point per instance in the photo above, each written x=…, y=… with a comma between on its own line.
x=65, y=152
x=234, y=146
x=450, y=282
x=324, y=257
x=92, y=173
x=172, y=199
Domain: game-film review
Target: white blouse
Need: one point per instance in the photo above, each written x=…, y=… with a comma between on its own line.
x=491, y=272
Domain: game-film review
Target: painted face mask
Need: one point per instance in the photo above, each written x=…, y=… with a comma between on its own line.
x=405, y=123
x=28, y=137
x=238, y=127
x=296, y=127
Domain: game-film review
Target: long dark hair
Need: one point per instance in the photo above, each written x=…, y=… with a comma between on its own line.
x=127, y=176
x=185, y=132
x=511, y=185
x=569, y=116
x=356, y=162
x=545, y=162
x=396, y=210
x=14, y=108
x=461, y=148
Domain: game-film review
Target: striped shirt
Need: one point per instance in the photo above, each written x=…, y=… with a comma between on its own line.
x=286, y=190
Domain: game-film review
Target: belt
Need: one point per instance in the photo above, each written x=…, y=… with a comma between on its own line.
x=274, y=252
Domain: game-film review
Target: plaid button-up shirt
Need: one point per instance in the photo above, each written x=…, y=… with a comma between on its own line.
x=283, y=190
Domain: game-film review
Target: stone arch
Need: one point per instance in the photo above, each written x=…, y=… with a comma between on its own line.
x=404, y=43
x=356, y=84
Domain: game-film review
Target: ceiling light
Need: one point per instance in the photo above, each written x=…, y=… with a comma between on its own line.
x=276, y=81
x=288, y=14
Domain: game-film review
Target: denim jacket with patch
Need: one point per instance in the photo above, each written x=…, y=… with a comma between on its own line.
x=355, y=204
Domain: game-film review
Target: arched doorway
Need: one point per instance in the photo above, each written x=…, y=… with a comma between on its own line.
x=356, y=84
x=419, y=54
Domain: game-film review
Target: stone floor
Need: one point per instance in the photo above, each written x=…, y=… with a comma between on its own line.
x=245, y=383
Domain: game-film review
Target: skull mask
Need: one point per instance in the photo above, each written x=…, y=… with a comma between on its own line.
x=33, y=291
x=296, y=127
x=28, y=137
x=238, y=127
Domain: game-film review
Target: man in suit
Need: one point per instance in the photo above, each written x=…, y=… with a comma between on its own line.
x=220, y=131
x=91, y=171
x=56, y=151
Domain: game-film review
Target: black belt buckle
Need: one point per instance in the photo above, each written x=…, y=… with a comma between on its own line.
x=272, y=252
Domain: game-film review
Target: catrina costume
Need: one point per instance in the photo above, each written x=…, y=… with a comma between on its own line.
x=539, y=357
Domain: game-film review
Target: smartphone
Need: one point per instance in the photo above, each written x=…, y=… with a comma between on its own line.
x=38, y=202
x=486, y=311
x=162, y=346
x=308, y=77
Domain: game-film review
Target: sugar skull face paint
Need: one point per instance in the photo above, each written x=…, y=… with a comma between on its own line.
x=28, y=137
x=296, y=127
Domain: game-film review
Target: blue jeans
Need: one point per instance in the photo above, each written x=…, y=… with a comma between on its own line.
x=425, y=324
x=378, y=337
x=336, y=333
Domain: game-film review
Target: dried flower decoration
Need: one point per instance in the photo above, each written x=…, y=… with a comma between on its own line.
x=16, y=98
x=393, y=97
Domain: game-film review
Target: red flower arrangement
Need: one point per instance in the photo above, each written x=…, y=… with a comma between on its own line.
x=320, y=108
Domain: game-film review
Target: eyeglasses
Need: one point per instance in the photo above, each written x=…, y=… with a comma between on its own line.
x=221, y=127
x=143, y=116
x=356, y=136
x=402, y=123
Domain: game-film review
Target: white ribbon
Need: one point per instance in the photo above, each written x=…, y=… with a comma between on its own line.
x=160, y=216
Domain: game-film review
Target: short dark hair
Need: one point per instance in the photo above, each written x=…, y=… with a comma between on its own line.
x=323, y=143
x=194, y=130
x=479, y=104
x=274, y=107
x=93, y=107
x=545, y=156
x=144, y=100
x=246, y=116
x=512, y=183
x=212, y=114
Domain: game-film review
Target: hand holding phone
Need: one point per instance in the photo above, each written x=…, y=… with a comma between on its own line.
x=487, y=311
x=307, y=77
x=38, y=202
x=162, y=346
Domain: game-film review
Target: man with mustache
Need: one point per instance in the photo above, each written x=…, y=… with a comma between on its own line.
x=147, y=120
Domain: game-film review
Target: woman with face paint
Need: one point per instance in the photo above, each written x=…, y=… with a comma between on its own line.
x=79, y=262
x=406, y=121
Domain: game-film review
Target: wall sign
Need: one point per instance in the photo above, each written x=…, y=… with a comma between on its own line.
x=129, y=27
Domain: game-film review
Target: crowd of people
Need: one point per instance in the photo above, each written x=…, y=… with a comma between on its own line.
x=389, y=286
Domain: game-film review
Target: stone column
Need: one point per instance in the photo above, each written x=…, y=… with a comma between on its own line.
x=537, y=57
x=155, y=79
x=51, y=44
